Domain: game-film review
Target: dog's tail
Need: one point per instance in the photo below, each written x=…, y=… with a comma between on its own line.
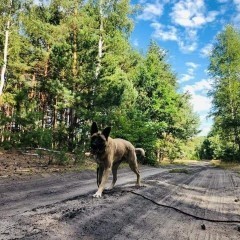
x=140, y=151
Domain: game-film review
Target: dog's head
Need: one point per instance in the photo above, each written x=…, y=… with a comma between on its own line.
x=99, y=139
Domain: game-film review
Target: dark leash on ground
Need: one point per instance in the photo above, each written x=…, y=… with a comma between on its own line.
x=181, y=211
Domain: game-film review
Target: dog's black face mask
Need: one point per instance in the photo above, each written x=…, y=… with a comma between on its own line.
x=98, y=143
x=99, y=140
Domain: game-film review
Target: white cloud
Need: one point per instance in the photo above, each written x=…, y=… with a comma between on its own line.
x=206, y=50
x=164, y=32
x=223, y=1
x=212, y=15
x=151, y=11
x=185, y=78
x=236, y=16
x=190, y=72
x=206, y=125
x=201, y=102
x=202, y=105
x=191, y=13
x=236, y=19
x=187, y=47
x=187, y=17
x=191, y=34
x=237, y=3
x=135, y=42
x=186, y=41
x=192, y=65
x=202, y=87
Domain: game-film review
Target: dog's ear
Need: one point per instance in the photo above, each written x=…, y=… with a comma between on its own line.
x=94, y=128
x=106, y=132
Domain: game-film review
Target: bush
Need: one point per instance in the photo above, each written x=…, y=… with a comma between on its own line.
x=79, y=156
x=61, y=158
x=36, y=138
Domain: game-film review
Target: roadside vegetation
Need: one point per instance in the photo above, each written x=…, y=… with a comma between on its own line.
x=67, y=63
x=179, y=170
x=223, y=142
x=234, y=166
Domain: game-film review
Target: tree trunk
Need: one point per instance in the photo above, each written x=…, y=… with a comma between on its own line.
x=74, y=66
x=46, y=67
x=54, y=114
x=100, y=41
x=5, y=53
x=75, y=29
x=72, y=129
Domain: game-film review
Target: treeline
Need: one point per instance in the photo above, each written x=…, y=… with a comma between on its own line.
x=70, y=62
x=223, y=142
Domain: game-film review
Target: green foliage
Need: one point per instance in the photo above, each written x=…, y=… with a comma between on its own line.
x=71, y=62
x=192, y=149
x=167, y=113
x=214, y=147
x=179, y=170
x=133, y=128
x=79, y=155
x=36, y=138
x=206, y=151
x=60, y=158
x=224, y=69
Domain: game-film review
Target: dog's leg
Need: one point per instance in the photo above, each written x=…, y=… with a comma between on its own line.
x=101, y=187
x=114, y=173
x=99, y=175
x=134, y=167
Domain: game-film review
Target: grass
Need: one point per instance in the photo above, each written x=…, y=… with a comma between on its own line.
x=179, y=162
x=234, y=166
x=87, y=165
x=179, y=170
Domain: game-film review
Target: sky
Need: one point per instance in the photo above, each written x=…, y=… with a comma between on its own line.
x=187, y=30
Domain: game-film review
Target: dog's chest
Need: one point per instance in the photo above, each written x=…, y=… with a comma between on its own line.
x=98, y=159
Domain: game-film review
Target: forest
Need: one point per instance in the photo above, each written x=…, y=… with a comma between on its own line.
x=65, y=64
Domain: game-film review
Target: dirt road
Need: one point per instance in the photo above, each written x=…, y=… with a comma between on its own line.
x=203, y=203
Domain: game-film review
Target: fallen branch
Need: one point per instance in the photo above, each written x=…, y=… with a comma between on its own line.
x=26, y=151
x=30, y=154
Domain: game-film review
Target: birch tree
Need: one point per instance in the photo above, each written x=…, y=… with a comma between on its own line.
x=8, y=13
x=225, y=71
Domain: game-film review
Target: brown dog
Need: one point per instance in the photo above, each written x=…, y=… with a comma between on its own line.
x=109, y=153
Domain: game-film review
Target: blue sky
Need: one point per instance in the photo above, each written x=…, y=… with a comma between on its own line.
x=187, y=29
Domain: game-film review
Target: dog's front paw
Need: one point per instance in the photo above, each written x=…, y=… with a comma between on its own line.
x=109, y=188
x=97, y=195
x=139, y=185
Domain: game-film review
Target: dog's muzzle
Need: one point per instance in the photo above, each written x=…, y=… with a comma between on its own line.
x=97, y=151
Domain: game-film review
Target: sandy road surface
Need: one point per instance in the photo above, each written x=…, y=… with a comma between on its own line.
x=170, y=206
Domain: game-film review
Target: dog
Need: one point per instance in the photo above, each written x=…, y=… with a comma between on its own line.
x=109, y=153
